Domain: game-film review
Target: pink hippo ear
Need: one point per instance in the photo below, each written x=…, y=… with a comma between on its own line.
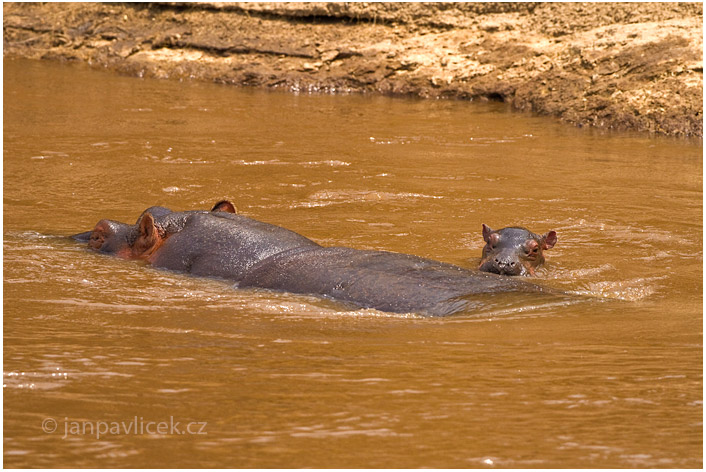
x=490, y=236
x=149, y=238
x=224, y=205
x=549, y=240
x=486, y=232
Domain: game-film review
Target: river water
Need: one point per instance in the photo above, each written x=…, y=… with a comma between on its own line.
x=110, y=363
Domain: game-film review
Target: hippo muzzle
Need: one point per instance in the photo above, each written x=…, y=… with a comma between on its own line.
x=505, y=263
x=82, y=237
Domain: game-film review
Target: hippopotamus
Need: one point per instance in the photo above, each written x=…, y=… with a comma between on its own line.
x=252, y=254
x=514, y=250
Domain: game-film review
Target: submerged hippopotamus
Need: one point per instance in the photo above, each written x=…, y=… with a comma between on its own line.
x=220, y=243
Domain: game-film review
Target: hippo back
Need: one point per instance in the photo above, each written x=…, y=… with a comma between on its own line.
x=224, y=245
x=382, y=280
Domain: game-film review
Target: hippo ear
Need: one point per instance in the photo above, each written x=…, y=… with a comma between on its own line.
x=224, y=205
x=148, y=238
x=549, y=240
x=487, y=231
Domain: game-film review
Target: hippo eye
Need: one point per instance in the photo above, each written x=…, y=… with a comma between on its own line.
x=532, y=250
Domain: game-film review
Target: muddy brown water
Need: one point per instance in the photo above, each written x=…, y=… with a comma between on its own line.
x=112, y=363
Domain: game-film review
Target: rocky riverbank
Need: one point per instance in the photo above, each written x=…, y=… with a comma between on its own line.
x=620, y=66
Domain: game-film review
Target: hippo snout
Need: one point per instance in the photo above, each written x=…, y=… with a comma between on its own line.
x=503, y=265
x=508, y=267
x=82, y=237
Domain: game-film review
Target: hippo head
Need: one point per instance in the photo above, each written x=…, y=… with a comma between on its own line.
x=142, y=239
x=514, y=251
x=124, y=240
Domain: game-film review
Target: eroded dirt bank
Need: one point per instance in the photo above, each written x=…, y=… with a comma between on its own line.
x=632, y=66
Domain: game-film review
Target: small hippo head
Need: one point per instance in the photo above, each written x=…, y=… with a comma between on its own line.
x=514, y=251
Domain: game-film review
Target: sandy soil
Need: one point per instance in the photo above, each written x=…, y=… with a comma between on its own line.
x=623, y=66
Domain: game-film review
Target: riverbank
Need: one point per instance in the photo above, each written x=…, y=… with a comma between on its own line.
x=614, y=66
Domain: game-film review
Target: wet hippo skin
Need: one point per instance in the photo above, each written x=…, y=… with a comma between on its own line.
x=220, y=243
